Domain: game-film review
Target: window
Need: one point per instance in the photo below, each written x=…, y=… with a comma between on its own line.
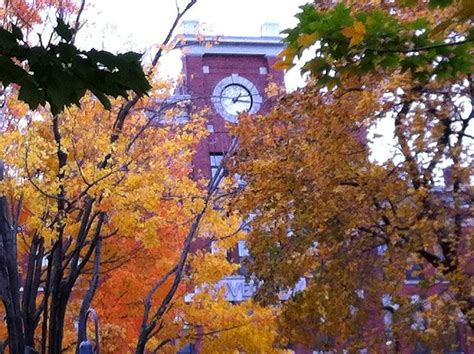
x=243, y=250
x=188, y=349
x=215, y=162
x=419, y=320
x=381, y=249
x=414, y=274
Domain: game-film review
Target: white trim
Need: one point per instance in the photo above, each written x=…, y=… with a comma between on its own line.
x=235, y=79
x=243, y=250
x=268, y=46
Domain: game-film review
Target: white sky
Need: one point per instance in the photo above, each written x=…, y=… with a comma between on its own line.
x=142, y=23
x=139, y=25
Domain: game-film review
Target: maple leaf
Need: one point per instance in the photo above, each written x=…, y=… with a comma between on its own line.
x=306, y=40
x=285, y=59
x=388, y=37
x=315, y=197
x=355, y=33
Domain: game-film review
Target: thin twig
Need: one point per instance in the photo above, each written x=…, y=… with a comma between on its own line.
x=419, y=49
x=77, y=22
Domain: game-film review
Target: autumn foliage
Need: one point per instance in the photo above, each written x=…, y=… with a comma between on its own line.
x=149, y=201
x=323, y=208
x=102, y=212
x=98, y=207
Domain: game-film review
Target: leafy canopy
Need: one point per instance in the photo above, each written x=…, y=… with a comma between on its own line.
x=150, y=201
x=60, y=74
x=320, y=206
x=359, y=42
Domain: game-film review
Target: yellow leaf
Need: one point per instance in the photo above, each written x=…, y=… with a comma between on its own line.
x=287, y=54
x=282, y=65
x=465, y=13
x=285, y=59
x=355, y=33
x=305, y=40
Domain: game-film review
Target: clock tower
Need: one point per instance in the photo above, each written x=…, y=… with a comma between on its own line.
x=228, y=75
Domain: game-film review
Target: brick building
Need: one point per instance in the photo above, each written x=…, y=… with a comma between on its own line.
x=227, y=75
x=230, y=76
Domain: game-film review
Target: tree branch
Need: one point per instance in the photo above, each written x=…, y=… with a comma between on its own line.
x=419, y=49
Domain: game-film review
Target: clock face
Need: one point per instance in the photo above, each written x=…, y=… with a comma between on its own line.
x=236, y=99
x=233, y=95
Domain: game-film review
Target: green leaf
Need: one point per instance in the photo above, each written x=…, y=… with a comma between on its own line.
x=130, y=57
x=63, y=30
x=102, y=98
x=10, y=72
x=420, y=23
x=103, y=57
x=31, y=94
x=316, y=66
x=440, y=3
x=66, y=51
x=16, y=31
x=7, y=41
x=407, y=3
x=61, y=74
x=391, y=60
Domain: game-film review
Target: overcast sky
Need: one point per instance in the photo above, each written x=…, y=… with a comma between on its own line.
x=125, y=24
x=139, y=25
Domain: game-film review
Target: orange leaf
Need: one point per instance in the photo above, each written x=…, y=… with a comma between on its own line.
x=355, y=33
x=286, y=57
x=305, y=40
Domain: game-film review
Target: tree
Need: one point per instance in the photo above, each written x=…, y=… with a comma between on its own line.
x=97, y=200
x=322, y=208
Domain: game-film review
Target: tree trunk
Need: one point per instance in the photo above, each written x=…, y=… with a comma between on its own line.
x=56, y=322
x=31, y=288
x=86, y=302
x=9, y=278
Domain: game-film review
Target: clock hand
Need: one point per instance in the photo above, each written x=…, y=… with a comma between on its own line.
x=235, y=99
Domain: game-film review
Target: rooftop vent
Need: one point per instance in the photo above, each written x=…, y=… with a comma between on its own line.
x=270, y=30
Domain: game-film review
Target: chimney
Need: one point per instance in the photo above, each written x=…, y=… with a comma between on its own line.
x=190, y=27
x=270, y=29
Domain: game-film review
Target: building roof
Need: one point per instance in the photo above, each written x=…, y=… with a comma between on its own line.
x=194, y=43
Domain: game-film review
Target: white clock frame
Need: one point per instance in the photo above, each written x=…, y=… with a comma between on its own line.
x=235, y=79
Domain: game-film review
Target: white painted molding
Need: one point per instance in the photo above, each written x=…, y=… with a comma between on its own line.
x=239, y=80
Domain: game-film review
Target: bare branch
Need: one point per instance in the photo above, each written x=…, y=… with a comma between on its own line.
x=126, y=108
x=30, y=179
x=213, y=187
x=77, y=23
